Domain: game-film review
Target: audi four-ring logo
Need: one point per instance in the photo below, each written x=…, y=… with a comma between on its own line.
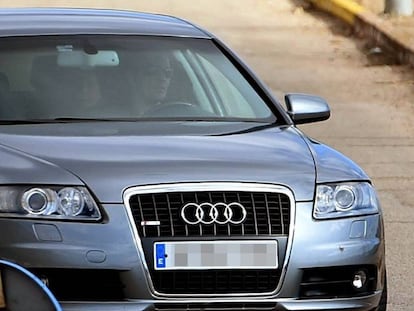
x=218, y=213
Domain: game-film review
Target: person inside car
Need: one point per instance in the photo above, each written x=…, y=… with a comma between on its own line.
x=152, y=80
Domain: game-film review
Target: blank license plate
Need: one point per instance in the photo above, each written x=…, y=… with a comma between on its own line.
x=216, y=255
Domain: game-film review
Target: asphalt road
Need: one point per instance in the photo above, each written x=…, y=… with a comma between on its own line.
x=372, y=100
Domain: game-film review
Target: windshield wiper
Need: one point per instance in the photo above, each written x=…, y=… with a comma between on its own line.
x=29, y=121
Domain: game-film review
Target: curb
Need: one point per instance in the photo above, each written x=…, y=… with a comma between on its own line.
x=367, y=24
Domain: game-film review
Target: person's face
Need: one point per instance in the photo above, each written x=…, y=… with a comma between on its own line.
x=154, y=78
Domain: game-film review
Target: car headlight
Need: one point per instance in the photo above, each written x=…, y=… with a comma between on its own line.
x=345, y=200
x=48, y=202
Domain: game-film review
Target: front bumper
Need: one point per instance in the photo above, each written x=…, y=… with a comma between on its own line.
x=368, y=303
x=111, y=246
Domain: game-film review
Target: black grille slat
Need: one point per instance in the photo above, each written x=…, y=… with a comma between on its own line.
x=216, y=281
x=282, y=220
x=249, y=223
x=141, y=213
x=253, y=209
x=261, y=215
x=154, y=201
x=267, y=214
x=211, y=306
x=242, y=227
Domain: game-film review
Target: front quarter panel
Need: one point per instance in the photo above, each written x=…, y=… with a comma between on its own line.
x=333, y=166
x=17, y=167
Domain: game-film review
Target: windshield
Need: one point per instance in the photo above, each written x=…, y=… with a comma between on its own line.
x=123, y=77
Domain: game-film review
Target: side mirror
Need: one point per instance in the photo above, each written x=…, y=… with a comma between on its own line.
x=305, y=108
x=20, y=290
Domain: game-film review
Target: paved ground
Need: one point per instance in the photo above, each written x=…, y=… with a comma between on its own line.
x=371, y=97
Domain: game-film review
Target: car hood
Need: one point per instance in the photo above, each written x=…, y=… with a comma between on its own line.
x=109, y=157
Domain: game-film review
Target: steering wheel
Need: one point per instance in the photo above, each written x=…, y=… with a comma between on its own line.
x=174, y=109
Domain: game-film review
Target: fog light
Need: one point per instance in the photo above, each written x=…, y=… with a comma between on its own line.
x=360, y=279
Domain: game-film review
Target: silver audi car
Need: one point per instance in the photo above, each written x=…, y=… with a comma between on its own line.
x=144, y=166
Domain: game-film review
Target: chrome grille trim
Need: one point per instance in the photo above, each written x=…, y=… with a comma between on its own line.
x=203, y=187
x=262, y=214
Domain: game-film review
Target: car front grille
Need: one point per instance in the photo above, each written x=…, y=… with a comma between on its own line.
x=156, y=212
x=267, y=214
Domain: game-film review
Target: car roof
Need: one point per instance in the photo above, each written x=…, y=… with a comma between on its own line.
x=58, y=21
